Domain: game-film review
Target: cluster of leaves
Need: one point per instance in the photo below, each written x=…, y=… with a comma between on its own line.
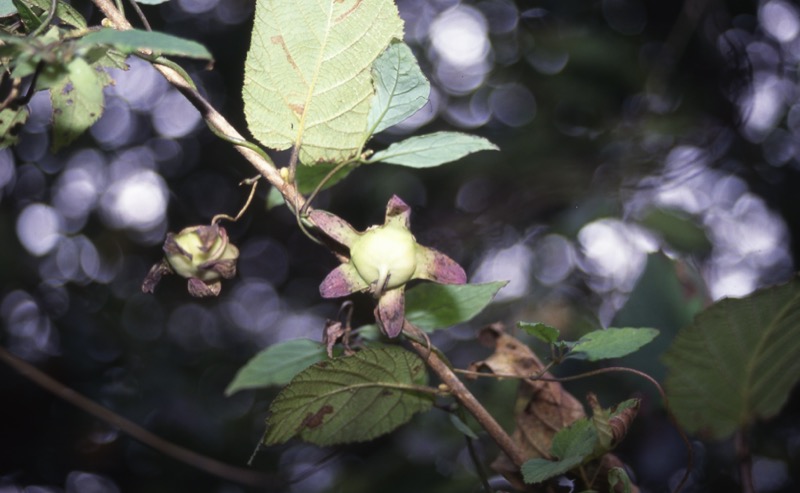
x=69, y=59
x=297, y=94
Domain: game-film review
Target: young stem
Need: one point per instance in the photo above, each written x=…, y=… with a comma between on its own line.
x=470, y=403
x=745, y=461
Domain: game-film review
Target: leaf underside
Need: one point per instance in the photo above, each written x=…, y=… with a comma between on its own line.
x=736, y=362
x=350, y=399
x=307, y=74
x=435, y=306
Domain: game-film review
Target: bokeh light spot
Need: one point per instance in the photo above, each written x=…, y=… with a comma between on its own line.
x=39, y=228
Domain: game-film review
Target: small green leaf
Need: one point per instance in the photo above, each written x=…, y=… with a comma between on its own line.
x=538, y=470
x=401, y=89
x=436, y=306
x=736, y=362
x=617, y=475
x=571, y=446
x=277, y=365
x=308, y=177
x=462, y=426
x=427, y=151
x=541, y=331
x=612, y=343
x=64, y=11
x=350, y=399
x=132, y=40
x=77, y=102
x=11, y=120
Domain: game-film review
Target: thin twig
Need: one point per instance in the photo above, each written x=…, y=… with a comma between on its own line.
x=198, y=461
x=141, y=15
x=473, y=455
x=745, y=461
x=214, y=119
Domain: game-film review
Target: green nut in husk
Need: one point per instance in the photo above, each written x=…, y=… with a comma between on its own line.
x=202, y=254
x=385, y=256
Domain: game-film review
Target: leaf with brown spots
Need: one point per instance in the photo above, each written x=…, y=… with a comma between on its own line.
x=351, y=399
x=308, y=77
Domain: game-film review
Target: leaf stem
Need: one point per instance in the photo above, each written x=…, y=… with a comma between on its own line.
x=198, y=461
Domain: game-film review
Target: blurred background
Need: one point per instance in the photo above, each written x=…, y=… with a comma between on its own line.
x=650, y=164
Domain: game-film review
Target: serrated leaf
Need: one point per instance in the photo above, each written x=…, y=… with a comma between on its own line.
x=736, y=362
x=350, y=399
x=541, y=331
x=571, y=446
x=64, y=11
x=277, y=365
x=611, y=343
x=307, y=73
x=11, y=121
x=77, y=102
x=427, y=151
x=133, y=40
x=401, y=88
x=432, y=306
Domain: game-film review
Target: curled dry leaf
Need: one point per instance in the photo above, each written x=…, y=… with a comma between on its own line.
x=542, y=408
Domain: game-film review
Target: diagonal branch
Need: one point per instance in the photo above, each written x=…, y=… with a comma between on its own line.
x=201, y=462
x=465, y=397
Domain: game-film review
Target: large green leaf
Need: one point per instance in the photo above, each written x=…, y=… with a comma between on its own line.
x=427, y=151
x=401, y=89
x=133, y=39
x=350, y=399
x=737, y=361
x=432, y=306
x=277, y=364
x=77, y=102
x=307, y=74
x=612, y=342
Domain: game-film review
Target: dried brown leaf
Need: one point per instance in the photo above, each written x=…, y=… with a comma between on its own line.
x=543, y=407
